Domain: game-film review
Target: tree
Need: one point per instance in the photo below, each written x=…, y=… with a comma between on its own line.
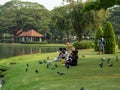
x=114, y=18
x=16, y=15
x=99, y=33
x=109, y=36
x=62, y=21
x=98, y=4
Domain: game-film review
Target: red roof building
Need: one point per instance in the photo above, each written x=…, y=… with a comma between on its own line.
x=30, y=35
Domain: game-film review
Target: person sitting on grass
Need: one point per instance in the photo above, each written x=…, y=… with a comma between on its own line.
x=59, y=57
x=73, y=58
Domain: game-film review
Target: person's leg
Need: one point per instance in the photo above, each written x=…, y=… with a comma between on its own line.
x=103, y=50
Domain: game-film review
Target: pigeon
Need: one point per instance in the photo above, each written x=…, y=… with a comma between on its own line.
x=101, y=65
x=44, y=61
x=67, y=66
x=2, y=81
x=40, y=62
x=60, y=73
x=56, y=65
x=111, y=65
x=83, y=55
x=26, y=69
x=117, y=58
x=102, y=59
x=47, y=58
x=36, y=71
x=47, y=65
x=27, y=64
x=82, y=88
x=108, y=60
x=52, y=67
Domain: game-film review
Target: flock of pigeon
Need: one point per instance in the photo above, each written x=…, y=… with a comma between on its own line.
x=48, y=65
x=52, y=67
x=108, y=60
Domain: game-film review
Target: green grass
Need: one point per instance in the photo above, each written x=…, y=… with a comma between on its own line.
x=87, y=74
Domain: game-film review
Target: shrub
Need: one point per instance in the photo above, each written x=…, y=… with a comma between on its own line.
x=109, y=36
x=7, y=41
x=34, y=42
x=83, y=45
x=99, y=33
x=119, y=44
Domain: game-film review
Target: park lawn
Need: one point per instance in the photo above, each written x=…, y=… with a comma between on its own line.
x=87, y=74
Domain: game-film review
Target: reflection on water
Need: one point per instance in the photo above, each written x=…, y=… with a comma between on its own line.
x=12, y=50
x=0, y=83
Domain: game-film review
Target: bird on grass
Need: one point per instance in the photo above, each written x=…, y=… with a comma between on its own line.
x=44, y=61
x=47, y=65
x=67, y=66
x=27, y=64
x=26, y=69
x=111, y=65
x=101, y=65
x=82, y=88
x=102, y=59
x=108, y=60
x=47, y=58
x=36, y=71
x=2, y=82
x=117, y=57
x=40, y=62
x=56, y=65
x=52, y=67
x=83, y=55
x=60, y=73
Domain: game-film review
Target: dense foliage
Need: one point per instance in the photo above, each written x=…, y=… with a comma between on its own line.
x=80, y=22
x=78, y=18
x=83, y=45
x=16, y=15
x=109, y=36
x=98, y=4
x=119, y=43
x=114, y=18
x=99, y=33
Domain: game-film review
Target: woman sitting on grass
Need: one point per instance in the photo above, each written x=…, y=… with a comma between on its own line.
x=73, y=58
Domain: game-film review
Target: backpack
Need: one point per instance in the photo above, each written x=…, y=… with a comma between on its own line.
x=102, y=41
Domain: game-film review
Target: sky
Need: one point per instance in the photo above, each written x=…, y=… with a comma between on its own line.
x=49, y=4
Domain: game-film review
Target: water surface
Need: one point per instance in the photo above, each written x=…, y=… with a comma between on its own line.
x=16, y=50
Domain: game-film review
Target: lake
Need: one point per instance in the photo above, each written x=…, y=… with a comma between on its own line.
x=16, y=50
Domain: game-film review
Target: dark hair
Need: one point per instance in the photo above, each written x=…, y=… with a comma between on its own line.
x=63, y=51
x=75, y=52
x=64, y=48
x=60, y=49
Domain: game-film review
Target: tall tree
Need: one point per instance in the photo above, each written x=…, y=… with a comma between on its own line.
x=114, y=18
x=81, y=20
x=109, y=36
x=98, y=34
x=99, y=4
x=61, y=20
x=15, y=15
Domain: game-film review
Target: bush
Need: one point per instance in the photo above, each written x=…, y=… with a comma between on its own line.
x=83, y=45
x=119, y=44
x=7, y=41
x=34, y=42
x=109, y=36
x=99, y=33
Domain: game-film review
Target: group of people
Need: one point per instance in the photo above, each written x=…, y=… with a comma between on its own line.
x=67, y=58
